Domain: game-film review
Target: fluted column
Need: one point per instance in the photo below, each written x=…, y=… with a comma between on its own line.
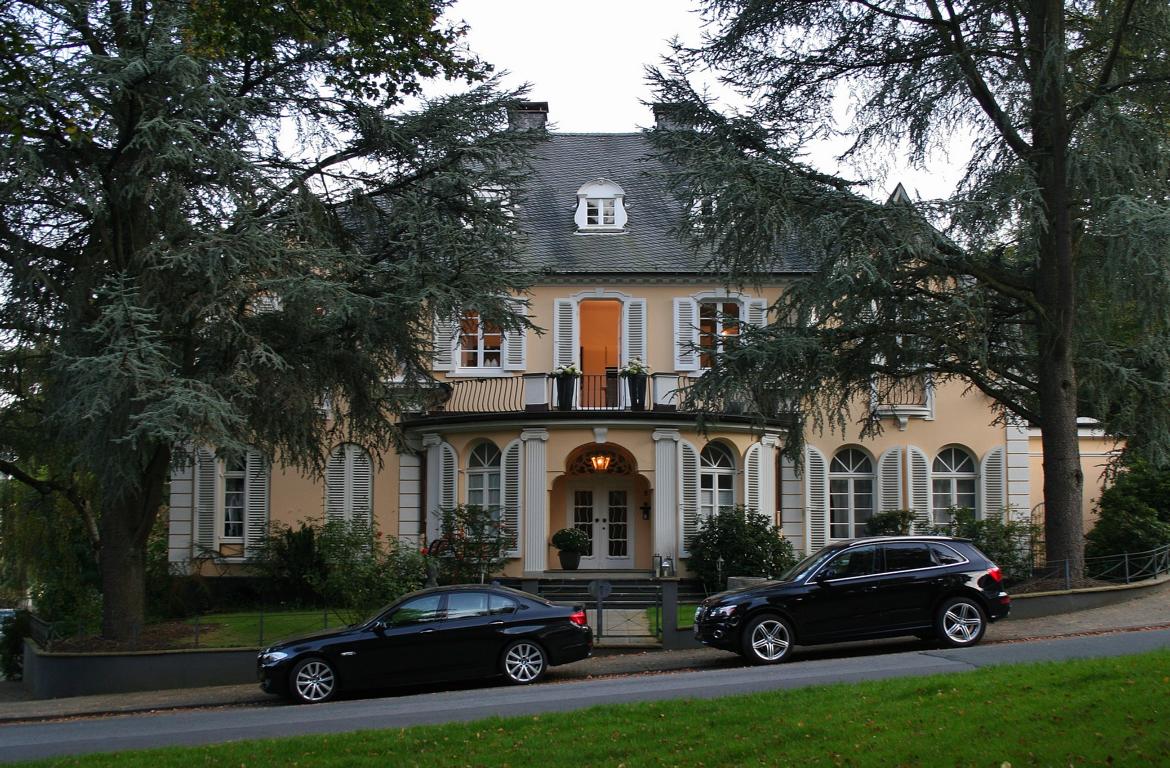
x=535, y=500
x=666, y=491
x=431, y=444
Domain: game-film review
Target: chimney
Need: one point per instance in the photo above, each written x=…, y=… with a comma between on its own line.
x=528, y=115
x=670, y=117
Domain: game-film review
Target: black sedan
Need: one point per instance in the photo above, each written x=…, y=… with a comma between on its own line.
x=929, y=586
x=437, y=634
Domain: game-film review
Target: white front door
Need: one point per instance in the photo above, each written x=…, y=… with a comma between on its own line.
x=602, y=510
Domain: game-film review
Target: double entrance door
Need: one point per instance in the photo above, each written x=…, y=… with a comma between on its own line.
x=602, y=510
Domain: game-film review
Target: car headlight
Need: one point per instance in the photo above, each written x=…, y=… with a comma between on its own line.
x=271, y=657
x=721, y=612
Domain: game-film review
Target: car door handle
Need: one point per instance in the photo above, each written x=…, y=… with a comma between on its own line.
x=496, y=624
x=349, y=653
x=426, y=631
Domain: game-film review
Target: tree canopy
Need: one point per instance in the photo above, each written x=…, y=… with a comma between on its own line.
x=1042, y=282
x=216, y=216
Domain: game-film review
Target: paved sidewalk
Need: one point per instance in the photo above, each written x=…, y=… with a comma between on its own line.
x=1150, y=607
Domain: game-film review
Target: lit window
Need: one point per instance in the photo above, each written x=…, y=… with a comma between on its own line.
x=483, y=476
x=716, y=480
x=850, y=494
x=952, y=483
x=480, y=342
x=718, y=328
x=235, y=479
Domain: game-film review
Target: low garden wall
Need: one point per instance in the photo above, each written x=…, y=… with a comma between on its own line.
x=55, y=675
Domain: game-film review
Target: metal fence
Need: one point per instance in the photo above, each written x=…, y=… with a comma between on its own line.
x=1126, y=568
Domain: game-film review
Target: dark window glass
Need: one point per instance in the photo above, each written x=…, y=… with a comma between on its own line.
x=944, y=555
x=908, y=556
x=466, y=605
x=858, y=561
x=425, y=608
x=498, y=604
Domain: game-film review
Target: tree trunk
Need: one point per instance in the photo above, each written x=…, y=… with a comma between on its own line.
x=1056, y=294
x=125, y=528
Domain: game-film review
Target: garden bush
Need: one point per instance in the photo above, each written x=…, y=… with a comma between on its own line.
x=363, y=569
x=291, y=564
x=1008, y=543
x=1133, y=514
x=470, y=546
x=745, y=541
x=896, y=522
x=13, y=631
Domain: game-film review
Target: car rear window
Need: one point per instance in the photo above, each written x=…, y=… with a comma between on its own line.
x=466, y=605
x=944, y=555
x=908, y=556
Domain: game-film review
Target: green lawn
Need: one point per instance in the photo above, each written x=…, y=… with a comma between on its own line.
x=686, y=617
x=231, y=630
x=1079, y=713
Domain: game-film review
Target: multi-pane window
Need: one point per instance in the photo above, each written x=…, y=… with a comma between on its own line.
x=480, y=342
x=850, y=494
x=952, y=483
x=483, y=476
x=599, y=212
x=718, y=328
x=716, y=479
x=235, y=478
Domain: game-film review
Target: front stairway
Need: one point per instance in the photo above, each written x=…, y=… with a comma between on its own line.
x=627, y=590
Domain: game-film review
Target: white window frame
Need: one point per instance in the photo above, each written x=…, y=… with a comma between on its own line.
x=601, y=208
x=479, y=474
x=600, y=212
x=480, y=351
x=952, y=476
x=229, y=473
x=850, y=476
x=721, y=324
x=712, y=476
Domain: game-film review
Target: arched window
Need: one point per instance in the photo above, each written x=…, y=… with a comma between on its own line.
x=952, y=482
x=483, y=476
x=850, y=494
x=716, y=479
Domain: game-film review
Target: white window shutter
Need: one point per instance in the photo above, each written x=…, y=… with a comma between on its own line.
x=920, y=501
x=335, y=484
x=256, y=502
x=634, y=330
x=751, y=477
x=686, y=334
x=688, y=479
x=516, y=344
x=564, y=332
x=757, y=312
x=361, y=485
x=816, y=498
x=890, y=480
x=205, y=472
x=993, y=484
x=443, y=351
x=510, y=482
x=448, y=468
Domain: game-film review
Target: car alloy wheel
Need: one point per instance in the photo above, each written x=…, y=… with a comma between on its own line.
x=767, y=640
x=961, y=622
x=524, y=662
x=313, y=681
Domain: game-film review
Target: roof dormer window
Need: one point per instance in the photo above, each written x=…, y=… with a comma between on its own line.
x=600, y=208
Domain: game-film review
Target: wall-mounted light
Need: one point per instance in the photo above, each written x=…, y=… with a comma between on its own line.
x=645, y=511
x=600, y=462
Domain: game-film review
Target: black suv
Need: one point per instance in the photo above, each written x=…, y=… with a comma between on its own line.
x=929, y=586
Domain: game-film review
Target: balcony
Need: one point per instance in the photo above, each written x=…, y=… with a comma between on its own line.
x=902, y=398
x=540, y=393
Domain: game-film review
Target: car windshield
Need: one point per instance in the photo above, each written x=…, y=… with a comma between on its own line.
x=806, y=566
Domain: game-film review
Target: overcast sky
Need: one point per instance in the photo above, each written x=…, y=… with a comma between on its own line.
x=588, y=62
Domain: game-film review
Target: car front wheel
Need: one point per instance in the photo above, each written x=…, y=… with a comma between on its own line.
x=524, y=662
x=313, y=681
x=767, y=640
x=960, y=622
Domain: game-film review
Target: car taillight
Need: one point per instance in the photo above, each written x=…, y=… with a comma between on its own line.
x=995, y=574
x=578, y=618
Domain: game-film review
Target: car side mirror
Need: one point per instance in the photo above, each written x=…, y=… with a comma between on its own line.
x=380, y=626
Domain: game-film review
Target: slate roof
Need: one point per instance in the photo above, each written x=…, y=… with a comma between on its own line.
x=546, y=205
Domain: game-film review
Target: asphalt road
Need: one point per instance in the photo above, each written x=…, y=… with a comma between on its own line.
x=28, y=741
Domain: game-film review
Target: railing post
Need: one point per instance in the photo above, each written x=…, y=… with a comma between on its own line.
x=1067, y=574
x=261, y=626
x=1126, y=555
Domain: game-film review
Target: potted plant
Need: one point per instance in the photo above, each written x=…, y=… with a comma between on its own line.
x=571, y=543
x=566, y=377
x=635, y=373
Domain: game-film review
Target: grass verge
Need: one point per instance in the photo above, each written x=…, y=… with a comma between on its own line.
x=1078, y=713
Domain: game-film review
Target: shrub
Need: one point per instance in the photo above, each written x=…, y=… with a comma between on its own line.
x=896, y=522
x=291, y=564
x=746, y=544
x=363, y=572
x=571, y=540
x=470, y=546
x=1008, y=544
x=1133, y=514
x=13, y=631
